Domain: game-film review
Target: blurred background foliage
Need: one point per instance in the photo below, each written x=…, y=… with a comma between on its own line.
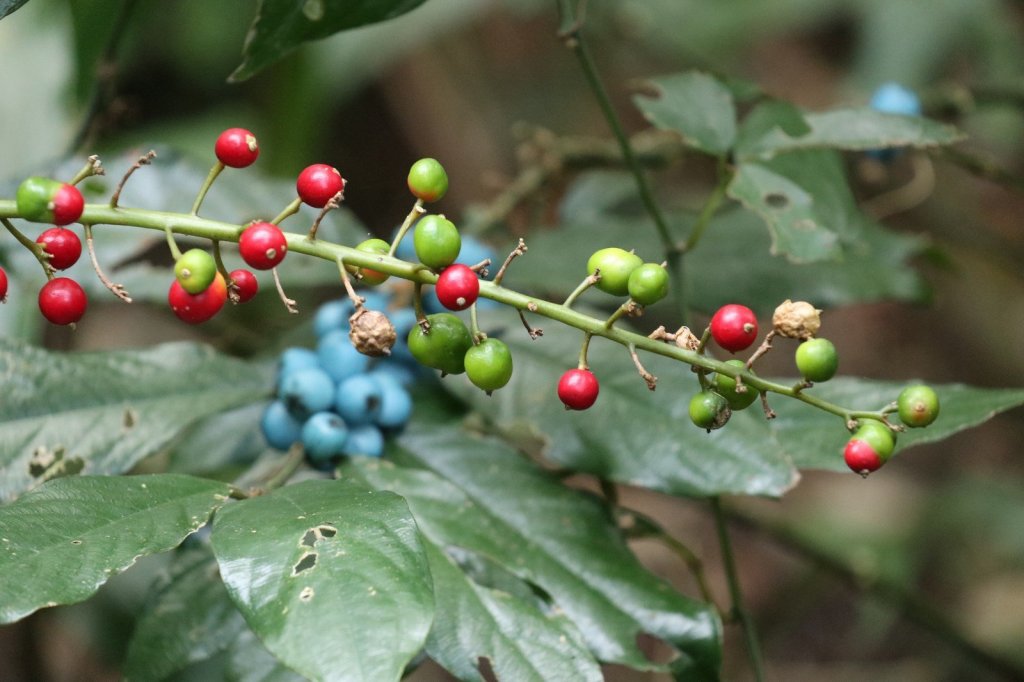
x=466, y=81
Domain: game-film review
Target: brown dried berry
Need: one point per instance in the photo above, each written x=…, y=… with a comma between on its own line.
x=371, y=332
x=796, y=320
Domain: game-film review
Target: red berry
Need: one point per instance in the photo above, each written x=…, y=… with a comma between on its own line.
x=318, y=183
x=457, y=287
x=196, y=308
x=578, y=389
x=246, y=284
x=236, y=147
x=734, y=327
x=68, y=205
x=262, y=245
x=3, y=285
x=861, y=457
x=62, y=301
x=63, y=245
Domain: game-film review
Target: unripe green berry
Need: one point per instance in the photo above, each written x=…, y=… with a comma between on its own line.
x=817, y=359
x=444, y=347
x=918, y=405
x=195, y=270
x=615, y=266
x=428, y=180
x=880, y=437
x=368, y=276
x=648, y=283
x=489, y=364
x=437, y=241
x=709, y=410
x=726, y=387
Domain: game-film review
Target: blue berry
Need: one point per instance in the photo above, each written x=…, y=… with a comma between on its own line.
x=403, y=321
x=295, y=358
x=358, y=399
x=332, y=316
x=395, y=404
x=399, y=372
x=280, y=429
x=893, y=98
x=306, y=391
x=323, y=436
x=339, y=358
x=365, y=440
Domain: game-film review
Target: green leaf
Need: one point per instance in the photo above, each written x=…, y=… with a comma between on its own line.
x=101, y=412
x=221, y=440
x=770, y=117
x=249, y=661
x=61, y=542
x=189, y=618
x=331, y=577
x=696, y=105
x=282, y=25
x=480, y=495
x=8, y=6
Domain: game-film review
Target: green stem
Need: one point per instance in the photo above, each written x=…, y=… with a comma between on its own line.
x=171, y=244
x=474, y=326
x=584, y=349
x=583, y=286
x=207, y=183
x=37, y=249
x=289, y=210
x=707, y=212
x=417, y=210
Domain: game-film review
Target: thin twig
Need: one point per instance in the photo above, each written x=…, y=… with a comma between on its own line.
x=416, y=211
x=518, y=251
x=116, y=289
x=143, y=160
x=288, y=303
x=356, y=299
x=333, y=203
x=534, y=332
x=37, y=249
x=289, y=210
x=649, y=379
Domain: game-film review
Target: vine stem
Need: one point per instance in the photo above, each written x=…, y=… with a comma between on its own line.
x=37, y=249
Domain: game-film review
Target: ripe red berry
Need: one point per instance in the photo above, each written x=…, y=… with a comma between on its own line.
x=457, y=287
x=578, y=389
x=734, y=327
x=262, y=245
x=318, y=183
x=236, y=147
x=196, y=308
x=68, y=205
x=63, y=245
x=246, y=285
x=3, y=285
x=861, y=457
x=62, y=301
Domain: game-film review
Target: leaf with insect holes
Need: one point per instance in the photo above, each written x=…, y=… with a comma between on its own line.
x=696, y=105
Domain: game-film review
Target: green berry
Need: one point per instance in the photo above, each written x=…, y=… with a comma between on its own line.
x=725, y=386
x=616, y=265
x=817, y=359
x=427, y=180
x=379, y=247
x=195, y=270
x=880, y=437
x=648, y=283
x=918, y=405
x=445, y=346
x=34, y=198
x=709, y=410
x=437, y=241
x=489, y=364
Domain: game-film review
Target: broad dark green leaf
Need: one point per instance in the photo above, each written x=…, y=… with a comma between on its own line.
x=282, y=25
x=221, y=440
x=249, y=661
x=61, y=542
x=697, y=106
x=331, y=577
x=188, y=619
x=480, y=495
x=8, y=6
x=101, y=412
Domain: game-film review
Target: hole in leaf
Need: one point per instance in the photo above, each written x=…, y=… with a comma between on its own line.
x=328, y=531
x=309, y=539
x=76, y=542
x=483, y=665
x=776, y=200
x=130, y=419
x=306, y=594
x=307, y=562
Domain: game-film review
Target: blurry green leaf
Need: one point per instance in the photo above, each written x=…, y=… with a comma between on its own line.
x=696, y=105
x=188, y=619
x=61, y=542
x=480, y=495
x=220, y=440
x=249, y=661
x=771, y=117
x=282, y=25
x=331, y=577
x=8, y=6
x=101, y=412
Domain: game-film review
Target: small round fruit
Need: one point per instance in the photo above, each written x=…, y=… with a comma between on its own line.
x=427, y=180
x=817, y=359
x=861, y=457
x=63, y=245
x=395, y=401
x=332, y=316
x=195, y=270
x=489, y=364
x=236, y=147
x=734, y=327
x=648, y=284
x=367, y=276
x=709, y=410
x=3, y=285
x=323, y=436
x=68, y=204
x=293, y=359
x=280, y=429
x=444, y=347
x=364, y=440
x=578, y=389
x=918, y=405
x=198, y=308
x=246, y=284
x=339, y=358
x=615, y=265
x=879, y=436
x=358, y=399
x=306, y=391
x=33, y=198
x=457, y=287
x=725, y=386
x=437, y=241
x=893, y=98
x=317, y=184
x=62, y=301
x=262, y=245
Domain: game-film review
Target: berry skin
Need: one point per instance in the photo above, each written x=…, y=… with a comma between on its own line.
x=68, y=205
x=395, y=401
x=444, y=346
x=339, y=358
x=293, y=359
x=428, y=180
x=262, y=245
x=709, y=410
x=365, y=440
x=367, y=276
x=648, y=284
x=817, y=359
x=3, y=285
x=861, y=457
x=616, y=265
x=306, y=391
x=734, y=327
x=578, y=389
x=489, y=365
x=879, y=436
x=236, y=147
x=323, y=436
x=437, y=241
x=457, y=287
x=62, y=301
x=195, y=270
x=918, y=405
x=893, y=98
x=43, y=200
x=280, y=429
x=725, y=386
x=198, y=308
x=332, y=316
x=317, y=184
x=246, y=285
x=358, y=399
x=63, y=245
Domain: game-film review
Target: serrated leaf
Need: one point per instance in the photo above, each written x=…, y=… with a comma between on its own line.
x=697, y=106
x=8, y=6
x=188, y=619
x=480, y=495
x=61, y=542
x=282, y=25
x=331, y=577
x=101, y=412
